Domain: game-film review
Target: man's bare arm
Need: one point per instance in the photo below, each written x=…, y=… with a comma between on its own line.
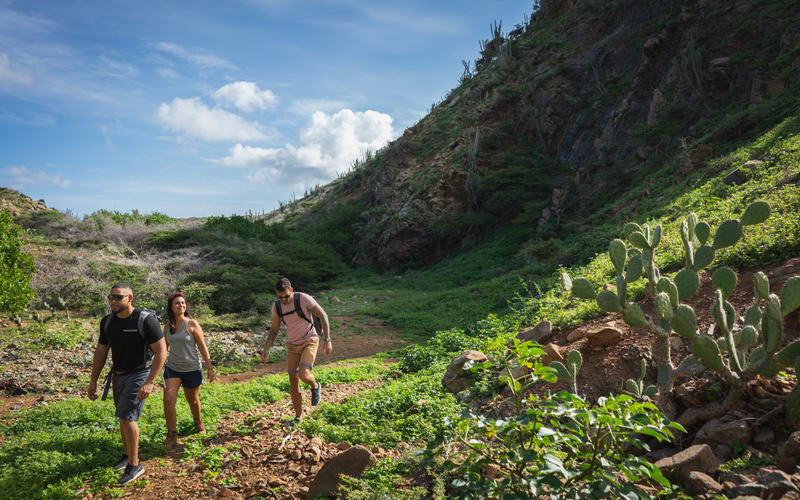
x=320, y=313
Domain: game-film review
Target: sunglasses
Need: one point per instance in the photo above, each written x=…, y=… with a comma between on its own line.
x=114, y=297
x=285, y=297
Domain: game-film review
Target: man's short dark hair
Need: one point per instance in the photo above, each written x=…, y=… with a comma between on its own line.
x=283, y=284
x=123, y=286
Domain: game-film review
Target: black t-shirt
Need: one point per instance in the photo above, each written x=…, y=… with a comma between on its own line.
x=127, y=346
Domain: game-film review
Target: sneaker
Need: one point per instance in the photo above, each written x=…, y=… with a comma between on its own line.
x=172, y=439
x=123, y=462
x=199, y=428
x=316, y=394
x=291, y=423
x=131, y=473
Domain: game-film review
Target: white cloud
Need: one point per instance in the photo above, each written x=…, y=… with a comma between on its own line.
x=305, y=107
x=201, y=60
x=115, y=68
x=193, y=117
x=245, y=95
x=108, y=141
x=21, y=176
x=167, y=72
x=21, y=76
x=329, y=144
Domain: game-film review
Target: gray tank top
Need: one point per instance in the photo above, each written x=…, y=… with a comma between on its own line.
x=183, y=356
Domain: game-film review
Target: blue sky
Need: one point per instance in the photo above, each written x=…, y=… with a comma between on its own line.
x=207, y=108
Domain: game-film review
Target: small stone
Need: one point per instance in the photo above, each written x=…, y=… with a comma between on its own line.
x=787, y=465
x=764, y=436
x=225, y=492
x=792, y=446
x=695, y=458
x=296, y=455
x=344, y=445
x=552, y=353
x=700, y=483
x=604, y=333
x=577, y=334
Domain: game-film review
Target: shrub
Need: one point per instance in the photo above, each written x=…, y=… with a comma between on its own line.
x=16, y=267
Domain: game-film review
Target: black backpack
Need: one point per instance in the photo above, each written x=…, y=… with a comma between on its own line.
x=317, y=323
x=147, y=361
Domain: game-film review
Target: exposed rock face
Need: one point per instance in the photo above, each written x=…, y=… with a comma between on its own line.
x=695, y=458
x=586, y=98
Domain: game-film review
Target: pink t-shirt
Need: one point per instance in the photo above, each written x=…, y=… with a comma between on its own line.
x=299, y=329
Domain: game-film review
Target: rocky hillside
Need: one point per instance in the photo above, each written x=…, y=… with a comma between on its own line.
x=590, y=105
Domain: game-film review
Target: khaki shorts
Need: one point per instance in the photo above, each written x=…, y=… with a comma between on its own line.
x=301, y=355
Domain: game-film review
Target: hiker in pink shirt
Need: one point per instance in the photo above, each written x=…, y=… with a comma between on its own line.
x=306, y=322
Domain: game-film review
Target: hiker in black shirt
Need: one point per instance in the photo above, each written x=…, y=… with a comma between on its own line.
x=138, y=352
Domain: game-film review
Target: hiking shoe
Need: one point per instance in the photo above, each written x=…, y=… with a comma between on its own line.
x=199, y=428
x=316, y=394
x=123, y=462
x=131, y=473
x=172, y=438
x=293, y=422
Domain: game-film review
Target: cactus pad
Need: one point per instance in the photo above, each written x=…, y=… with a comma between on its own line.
x=656, y=237
x=574, y=359
x=583, y=289
x=666, y=285
x=725, y=280
x=650, y=391
x=638, y=240
x=753, y=317
x=633, y=316
x=706, y=352
x=761, y=284
x=617, y=252
x=790, y=297
x=773, y=309
x=561, y=371
x=684, y=322
x=748, y=337
x=687, y=283
x=787, y=356
x=702, y=231
x=724, y=313
x=566, y=281
x=608, y=301
x=773, y=334
x=728, y=233
x=633, y=271
x=793, y=406
x=703, y=257
x=663, y=306
x=756, y=213
x=632, y=387
x=631, y=227
x=685, y=238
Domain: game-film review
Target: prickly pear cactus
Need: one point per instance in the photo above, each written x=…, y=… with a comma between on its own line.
x=736, y=356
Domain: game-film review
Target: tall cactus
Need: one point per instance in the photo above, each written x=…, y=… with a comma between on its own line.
x=735, y=356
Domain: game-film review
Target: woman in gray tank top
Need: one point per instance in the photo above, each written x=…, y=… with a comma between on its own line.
x=183, y=368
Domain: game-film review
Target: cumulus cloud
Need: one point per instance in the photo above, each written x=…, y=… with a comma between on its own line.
x=21, y=177
x=199, y=59
x=245, y=96
x=194, y=118
x=21, y=76
x=329, y=143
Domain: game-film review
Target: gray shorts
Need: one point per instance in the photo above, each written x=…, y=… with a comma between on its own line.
x=126, y=387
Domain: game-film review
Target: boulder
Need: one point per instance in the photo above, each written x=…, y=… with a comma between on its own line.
x=764, y=436
x=577, y=334
x=552, y=353
x=697, y=458
x=540, y=333
x=352, y=462
x=777, y=483
x=454, y=379
x=716, y=432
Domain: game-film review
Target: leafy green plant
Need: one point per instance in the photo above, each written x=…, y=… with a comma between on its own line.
x=16, y=267
x=558, y=445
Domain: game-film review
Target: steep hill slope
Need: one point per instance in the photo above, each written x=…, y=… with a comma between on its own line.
x=592, y=106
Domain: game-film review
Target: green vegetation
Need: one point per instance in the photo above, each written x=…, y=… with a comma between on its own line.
x=68, y=441
x=16, y=267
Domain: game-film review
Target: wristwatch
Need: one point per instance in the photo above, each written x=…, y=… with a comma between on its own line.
x=326, y=340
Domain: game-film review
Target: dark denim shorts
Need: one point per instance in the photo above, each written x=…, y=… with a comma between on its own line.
x=126, y=388
x=189, y=380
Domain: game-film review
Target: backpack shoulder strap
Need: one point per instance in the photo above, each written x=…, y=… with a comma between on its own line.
x=279, y=310
x=143, y=313
x=299, y=308
x=107, y=321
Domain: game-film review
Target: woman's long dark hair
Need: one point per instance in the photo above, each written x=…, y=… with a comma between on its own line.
x=171, y=315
